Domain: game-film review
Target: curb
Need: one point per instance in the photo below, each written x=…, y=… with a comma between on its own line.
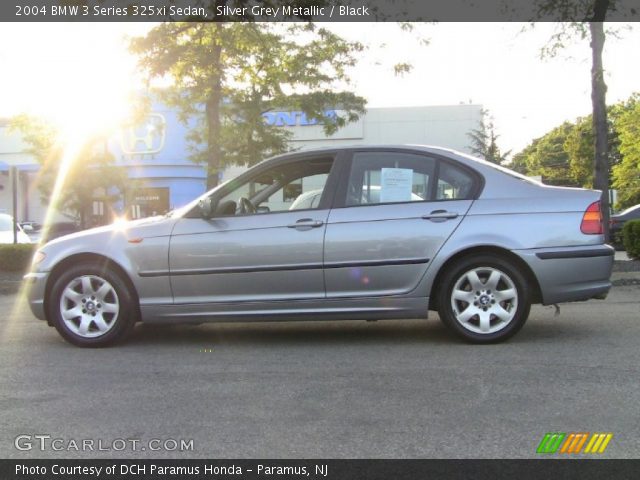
x=621, y=279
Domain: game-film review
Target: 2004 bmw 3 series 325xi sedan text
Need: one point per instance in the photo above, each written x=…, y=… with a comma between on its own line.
x=352, y=233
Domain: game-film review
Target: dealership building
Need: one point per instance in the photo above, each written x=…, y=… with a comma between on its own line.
x=155, y=153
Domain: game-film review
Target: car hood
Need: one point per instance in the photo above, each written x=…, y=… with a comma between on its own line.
x=144, y=228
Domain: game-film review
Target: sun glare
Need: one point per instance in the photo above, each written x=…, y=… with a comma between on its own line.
x=88, y=114
x=81, y=80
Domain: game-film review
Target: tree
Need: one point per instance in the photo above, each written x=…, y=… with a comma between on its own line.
x=70, y=179
x=521, y=161
x=593, y=14
x=580, y=142
x=484, y=141
x=228, y=75
x=549, y=158
x=578, y=146
x=626, y=174
x=574, y=160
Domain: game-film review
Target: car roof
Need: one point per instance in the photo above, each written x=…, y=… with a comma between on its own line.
x=332, y=149
x=478, y=164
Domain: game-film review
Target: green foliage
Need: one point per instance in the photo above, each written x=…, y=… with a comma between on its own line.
x=520, y=161
x=549, y=159
x=578, y=146
x=227, y=75
x=631, y=238
x=16, y=257
x=89, y=168
x=626, y=174
x=564, y=155
x=399, y=69
x=484, y=141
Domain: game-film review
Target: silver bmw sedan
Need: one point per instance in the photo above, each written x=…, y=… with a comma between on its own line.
x=359, y=233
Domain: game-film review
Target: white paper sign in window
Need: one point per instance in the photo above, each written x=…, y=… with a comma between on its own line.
x=395, y=184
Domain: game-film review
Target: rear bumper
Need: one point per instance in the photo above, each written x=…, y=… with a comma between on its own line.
x=36, y=283
x=571, y=274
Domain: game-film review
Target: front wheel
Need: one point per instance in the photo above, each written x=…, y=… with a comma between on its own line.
x=91, y=306
x=484, y=299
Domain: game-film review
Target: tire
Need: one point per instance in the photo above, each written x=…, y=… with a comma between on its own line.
x=91, y=306
x=488, y=307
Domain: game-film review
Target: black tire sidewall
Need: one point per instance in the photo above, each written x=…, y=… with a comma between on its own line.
x=126, y=315
x=484, y=260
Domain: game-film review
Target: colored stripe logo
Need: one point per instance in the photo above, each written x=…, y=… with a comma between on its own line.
x=558, y=442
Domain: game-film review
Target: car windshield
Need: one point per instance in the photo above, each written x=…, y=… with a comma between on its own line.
x=6, y=223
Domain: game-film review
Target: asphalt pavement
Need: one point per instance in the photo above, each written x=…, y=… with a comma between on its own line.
x=388, y=389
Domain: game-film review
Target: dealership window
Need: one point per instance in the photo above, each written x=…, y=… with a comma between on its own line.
x=389, y=177
x=147, y=202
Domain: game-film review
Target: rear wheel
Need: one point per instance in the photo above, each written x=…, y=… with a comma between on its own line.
x=91, y=306
x=484, y=299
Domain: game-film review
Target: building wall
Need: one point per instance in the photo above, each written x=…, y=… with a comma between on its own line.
x=12, y=153
x=444, y=126
x=155, y=156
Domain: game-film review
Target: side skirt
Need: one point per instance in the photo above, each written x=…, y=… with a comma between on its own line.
x=294, y=310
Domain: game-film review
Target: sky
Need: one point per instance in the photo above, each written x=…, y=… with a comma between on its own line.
x=68, y=72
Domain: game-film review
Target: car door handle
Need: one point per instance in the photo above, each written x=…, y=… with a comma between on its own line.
x=440, y=215
x=306, y=223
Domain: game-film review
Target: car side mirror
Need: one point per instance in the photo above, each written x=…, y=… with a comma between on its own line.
x=207, y=207
x=27, y=229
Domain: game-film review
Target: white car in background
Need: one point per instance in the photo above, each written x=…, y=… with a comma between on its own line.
x=6, y=230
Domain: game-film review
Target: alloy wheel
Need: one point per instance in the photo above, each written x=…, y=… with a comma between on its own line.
x=484, y=300
x=89, y=306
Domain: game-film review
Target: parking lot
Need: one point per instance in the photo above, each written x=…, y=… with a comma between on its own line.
x=401, y=389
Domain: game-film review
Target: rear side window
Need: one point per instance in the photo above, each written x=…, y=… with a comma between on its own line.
x=389, y=177
x=453, y=183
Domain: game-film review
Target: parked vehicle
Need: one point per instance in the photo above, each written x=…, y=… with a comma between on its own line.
x=33, y=230
x=30, y=226
x=6, y=230
x=617, y=221
x=444, y=231
x=56, y=230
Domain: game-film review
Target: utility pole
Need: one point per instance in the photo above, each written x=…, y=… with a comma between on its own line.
x=14, y=195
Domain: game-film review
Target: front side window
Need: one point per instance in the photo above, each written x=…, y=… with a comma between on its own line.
x=296, y=185
x=389, y=177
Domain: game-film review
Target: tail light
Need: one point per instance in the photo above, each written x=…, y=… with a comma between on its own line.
x=592, y=220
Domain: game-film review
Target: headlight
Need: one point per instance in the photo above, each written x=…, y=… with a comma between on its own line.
x=38, y=257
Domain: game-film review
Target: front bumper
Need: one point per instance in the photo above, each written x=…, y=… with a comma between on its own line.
x=36, y=283
x=571, y=274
